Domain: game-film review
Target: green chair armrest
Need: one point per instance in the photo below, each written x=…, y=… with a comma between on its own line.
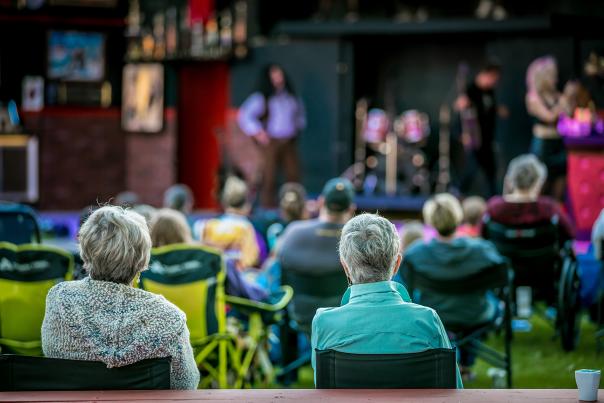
x=21, y=344
x=248, y=304
x=213, y=337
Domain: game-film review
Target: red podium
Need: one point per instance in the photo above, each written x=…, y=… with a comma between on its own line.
x=585, y=181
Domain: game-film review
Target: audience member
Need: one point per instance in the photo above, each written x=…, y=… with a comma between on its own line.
x=473, y=208
x=597, y=236
x=146, y=211
x=232, y=232
x=370, y=256
x=523, y=204
x=170, y=227
x=179, y=197
x=450, y=257
x=310, y=248
x=412, y=231
x=292, y=201
x=86, y=319
x=127, y=198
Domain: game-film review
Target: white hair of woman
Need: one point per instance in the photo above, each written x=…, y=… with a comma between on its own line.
x=526, y=173
x=115, y=244
x=369, y=249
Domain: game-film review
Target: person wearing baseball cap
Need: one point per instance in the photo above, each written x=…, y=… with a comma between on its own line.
x=309, y=250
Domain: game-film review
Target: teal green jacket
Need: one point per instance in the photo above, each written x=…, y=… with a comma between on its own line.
x=378, y=318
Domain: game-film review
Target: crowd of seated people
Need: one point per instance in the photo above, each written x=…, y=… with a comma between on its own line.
x=356, y=264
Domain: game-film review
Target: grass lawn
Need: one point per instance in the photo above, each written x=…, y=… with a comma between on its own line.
x=538, y=360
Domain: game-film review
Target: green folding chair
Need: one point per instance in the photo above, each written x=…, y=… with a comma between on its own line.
x=192, y=278
x=27, y=272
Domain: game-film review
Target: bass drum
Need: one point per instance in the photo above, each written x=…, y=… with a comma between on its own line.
x=412, y=126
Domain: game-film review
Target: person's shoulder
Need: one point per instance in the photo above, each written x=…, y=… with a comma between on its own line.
x=158, y=306
x=548, y=202
x=495, y=202
x=297, y=227
x=61, y=288
x=324, y=317
x=417, y=249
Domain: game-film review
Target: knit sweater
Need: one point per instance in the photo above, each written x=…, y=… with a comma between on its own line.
x=118, y=325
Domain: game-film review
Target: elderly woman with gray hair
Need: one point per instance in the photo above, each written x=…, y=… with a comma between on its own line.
x=103, y=317
x=376, y=315
x=522, y=203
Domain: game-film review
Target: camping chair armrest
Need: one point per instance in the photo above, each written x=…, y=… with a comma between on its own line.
x=21, y=344
x=213, y=337
x=248, y=304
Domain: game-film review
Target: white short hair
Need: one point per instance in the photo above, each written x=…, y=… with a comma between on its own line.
x=369, y=245
x=115, y=244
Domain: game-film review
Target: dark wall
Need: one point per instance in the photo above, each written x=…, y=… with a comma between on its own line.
x=322, y=73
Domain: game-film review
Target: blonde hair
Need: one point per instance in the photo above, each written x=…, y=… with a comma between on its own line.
x=473, y=209
x=412, y=231
x=444, y=213
x=169, y=227
x=526, y=172
x=115, y=244
x=539, y=71
x=234, y=193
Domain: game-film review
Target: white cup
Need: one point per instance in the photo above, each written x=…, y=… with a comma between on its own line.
x=588, y=382
x=524, y=301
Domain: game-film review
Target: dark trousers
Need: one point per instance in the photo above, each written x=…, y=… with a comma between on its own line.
x=276, y=154
x=483, y=159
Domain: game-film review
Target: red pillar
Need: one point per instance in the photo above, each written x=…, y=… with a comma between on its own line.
x=203, y=102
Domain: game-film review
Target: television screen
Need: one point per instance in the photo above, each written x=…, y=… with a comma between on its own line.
x=76, y=56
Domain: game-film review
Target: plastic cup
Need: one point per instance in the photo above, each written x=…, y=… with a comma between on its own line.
x=588, y=382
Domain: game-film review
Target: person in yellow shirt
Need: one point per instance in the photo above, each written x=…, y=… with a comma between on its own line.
x=232, y=232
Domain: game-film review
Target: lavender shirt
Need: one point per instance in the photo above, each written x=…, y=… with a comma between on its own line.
x=285, y=119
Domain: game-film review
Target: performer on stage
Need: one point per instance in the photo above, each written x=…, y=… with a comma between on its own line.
x=478, y=112
x=274, y=116
x=543, y=104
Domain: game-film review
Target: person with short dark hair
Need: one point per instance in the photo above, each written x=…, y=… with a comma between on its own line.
x=179, y=197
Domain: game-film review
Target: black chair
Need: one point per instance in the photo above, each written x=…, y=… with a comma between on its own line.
x=497, y=278
x=310, y=292
x=18, y=224
x=542, y=261
x=23, y=373
x=428, y=369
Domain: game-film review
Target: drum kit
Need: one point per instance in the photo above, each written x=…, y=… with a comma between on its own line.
x=389, y=156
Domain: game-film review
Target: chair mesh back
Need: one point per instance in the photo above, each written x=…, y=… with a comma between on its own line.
x=18, y=224
x=428, y=369
x=312, y=292
x=27, y=272
x=533, y=251
x=188, y=277
x=21, y=373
